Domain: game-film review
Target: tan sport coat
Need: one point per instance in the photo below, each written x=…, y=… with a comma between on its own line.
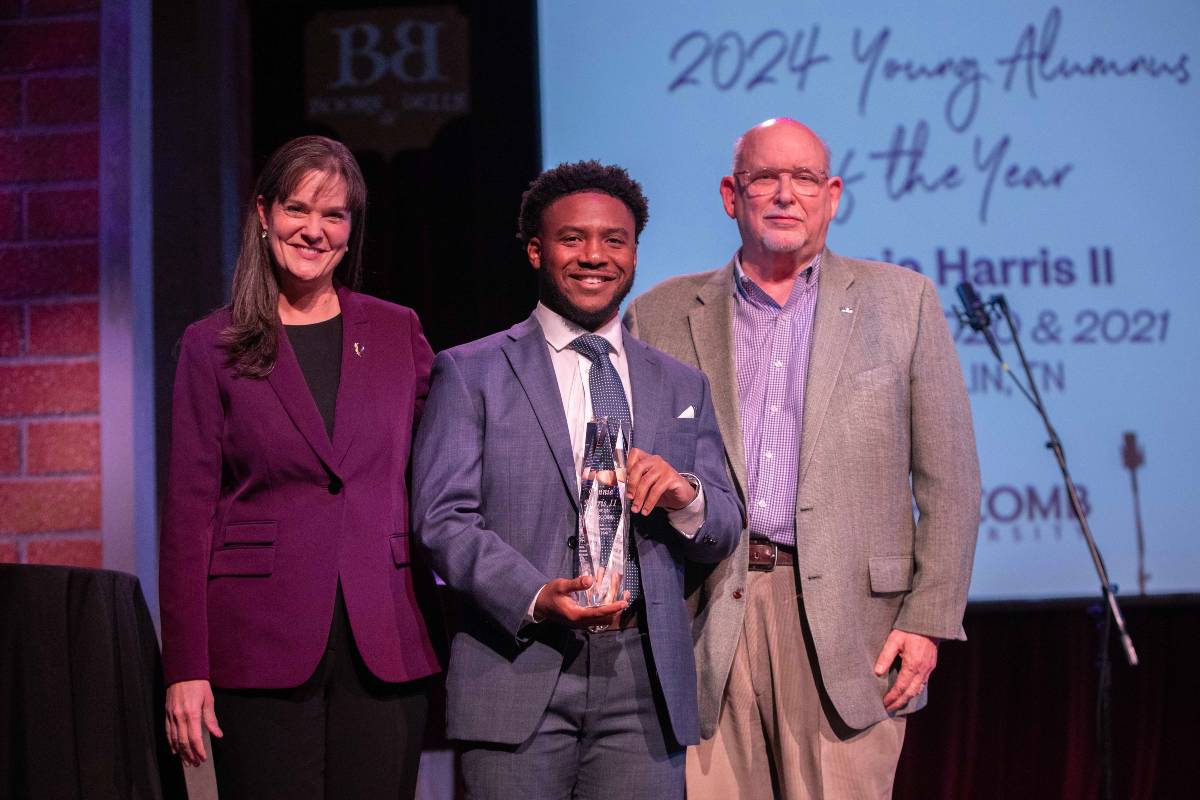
x=886, y=422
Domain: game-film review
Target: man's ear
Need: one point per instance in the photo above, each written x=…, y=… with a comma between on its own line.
x=533, y=249
x=729, y=195
x=835, y=195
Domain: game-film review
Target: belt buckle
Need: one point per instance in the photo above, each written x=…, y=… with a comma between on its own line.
x=774, y=554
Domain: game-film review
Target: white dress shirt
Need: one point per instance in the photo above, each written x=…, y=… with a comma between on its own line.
x=572, y=369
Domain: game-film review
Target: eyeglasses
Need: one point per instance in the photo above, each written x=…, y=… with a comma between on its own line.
x=764, y=182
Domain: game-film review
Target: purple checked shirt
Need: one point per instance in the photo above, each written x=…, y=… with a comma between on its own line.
x=772, y=345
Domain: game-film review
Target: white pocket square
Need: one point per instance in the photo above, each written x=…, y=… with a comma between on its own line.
x=688, y=413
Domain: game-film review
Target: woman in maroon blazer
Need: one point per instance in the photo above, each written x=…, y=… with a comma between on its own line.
x=290, y=623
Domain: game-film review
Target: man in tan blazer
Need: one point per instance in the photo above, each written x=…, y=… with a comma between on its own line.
x=841, y=402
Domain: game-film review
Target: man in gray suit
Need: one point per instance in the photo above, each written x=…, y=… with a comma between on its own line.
x=841, y=401
x=545, y=707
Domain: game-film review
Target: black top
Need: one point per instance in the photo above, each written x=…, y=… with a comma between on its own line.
x=318, y=348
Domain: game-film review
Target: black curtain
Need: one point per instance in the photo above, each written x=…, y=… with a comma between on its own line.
x=441, y=222
x=1012, y=712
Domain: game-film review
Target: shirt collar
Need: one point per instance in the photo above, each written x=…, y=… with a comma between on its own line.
x=560, y=331
x=741, y=279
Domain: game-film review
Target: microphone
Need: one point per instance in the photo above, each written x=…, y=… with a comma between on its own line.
x=975, y=314
x=1131, y=454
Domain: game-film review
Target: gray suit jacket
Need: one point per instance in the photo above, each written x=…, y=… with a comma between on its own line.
x=495, y=500
x=886, y=421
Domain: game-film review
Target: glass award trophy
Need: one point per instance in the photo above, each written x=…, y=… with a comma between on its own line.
x=604, y=512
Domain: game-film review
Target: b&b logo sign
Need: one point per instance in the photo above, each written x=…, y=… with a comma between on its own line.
x=387, y=79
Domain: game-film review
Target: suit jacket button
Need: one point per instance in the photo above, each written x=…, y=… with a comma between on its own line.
x=572, y=542
x=709, y=540
x=335, y=486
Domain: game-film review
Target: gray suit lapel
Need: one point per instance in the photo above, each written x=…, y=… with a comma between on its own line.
x=645, y=384
x=530, y=361
x=712, y=335
x=831, y=333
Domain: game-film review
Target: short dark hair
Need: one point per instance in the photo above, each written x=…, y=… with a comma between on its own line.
x=580, y=176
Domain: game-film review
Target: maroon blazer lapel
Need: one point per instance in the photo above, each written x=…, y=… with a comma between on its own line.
x=288, y=382
x=353, y=388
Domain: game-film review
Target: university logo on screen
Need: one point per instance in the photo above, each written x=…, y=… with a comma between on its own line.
x=1029, y=513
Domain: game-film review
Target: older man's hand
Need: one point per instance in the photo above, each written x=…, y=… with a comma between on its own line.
x=918, y=657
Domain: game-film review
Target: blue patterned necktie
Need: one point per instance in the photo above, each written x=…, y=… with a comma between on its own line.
x=608, y=400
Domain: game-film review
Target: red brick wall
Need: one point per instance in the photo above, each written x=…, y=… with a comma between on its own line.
x=49, y=275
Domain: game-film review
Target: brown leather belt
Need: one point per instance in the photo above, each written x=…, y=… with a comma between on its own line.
x=765, y=555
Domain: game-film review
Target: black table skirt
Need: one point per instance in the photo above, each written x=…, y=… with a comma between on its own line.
x=81, y=694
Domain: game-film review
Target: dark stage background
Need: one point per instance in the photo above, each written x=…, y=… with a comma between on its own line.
x=1012, y=712
x=441, y=226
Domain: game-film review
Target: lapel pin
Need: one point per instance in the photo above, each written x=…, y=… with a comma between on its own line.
x=847, y=310
x=359, y=349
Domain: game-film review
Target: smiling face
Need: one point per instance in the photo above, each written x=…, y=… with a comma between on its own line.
x=585, y=254
x=785, y=221
x=308, y=231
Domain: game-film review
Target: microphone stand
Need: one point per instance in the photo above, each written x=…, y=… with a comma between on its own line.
x=1112, y=615
x=1132, y=457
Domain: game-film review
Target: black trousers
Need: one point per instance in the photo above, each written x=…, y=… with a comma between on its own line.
x=343, y=733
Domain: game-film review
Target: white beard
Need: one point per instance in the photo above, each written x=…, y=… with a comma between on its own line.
x=783, y=241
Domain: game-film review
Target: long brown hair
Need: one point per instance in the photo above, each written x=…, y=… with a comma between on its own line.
x=252, y=338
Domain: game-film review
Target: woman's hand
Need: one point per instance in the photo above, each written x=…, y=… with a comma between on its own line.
x=188, y=704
